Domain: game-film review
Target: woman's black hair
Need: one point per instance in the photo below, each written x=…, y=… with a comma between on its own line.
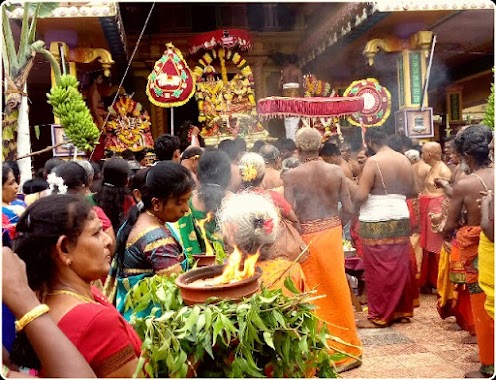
x=257, y=145
x=73, y=174
x=37, y=233
x=395, y=142
x=113, y=190
x=214, y=174
x=6, y=169
x=139, y=181
x=15, y=169
x=166, y=179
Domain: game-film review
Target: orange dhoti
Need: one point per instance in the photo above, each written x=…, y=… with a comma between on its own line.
x=324, y=271
x=468, y=242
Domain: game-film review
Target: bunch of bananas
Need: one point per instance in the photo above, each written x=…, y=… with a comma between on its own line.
x=75, y=117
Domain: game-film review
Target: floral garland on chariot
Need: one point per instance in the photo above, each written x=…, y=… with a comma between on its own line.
x=226, y=106
x=128, y=126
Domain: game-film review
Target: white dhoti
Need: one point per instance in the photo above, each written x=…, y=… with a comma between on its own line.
x=291, y=123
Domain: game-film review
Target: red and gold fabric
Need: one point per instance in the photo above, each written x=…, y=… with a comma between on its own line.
x=101, y=334
x=279, y=106
x=468, y=245
x=430, y=204
x=389, y=270
x=171, y=83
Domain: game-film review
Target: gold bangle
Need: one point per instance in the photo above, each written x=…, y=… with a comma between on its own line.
x=5, y=371
x=31, y=316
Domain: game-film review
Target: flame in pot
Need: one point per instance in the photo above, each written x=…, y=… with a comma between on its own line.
x=232, y=272
x=209, y=251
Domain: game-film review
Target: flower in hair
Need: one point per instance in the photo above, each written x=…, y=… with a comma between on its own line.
x=56, y=182
x=268, y=226
x=248, y=173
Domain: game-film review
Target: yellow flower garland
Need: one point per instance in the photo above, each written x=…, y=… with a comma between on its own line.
x=248, y=173
x=223, y=70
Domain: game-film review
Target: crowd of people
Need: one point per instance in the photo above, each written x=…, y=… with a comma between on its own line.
x=420, y=218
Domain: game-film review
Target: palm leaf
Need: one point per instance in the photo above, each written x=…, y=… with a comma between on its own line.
x=32, y=28
x=5, y=57
x=46, y=9
x=9, y=43
x=23, y=42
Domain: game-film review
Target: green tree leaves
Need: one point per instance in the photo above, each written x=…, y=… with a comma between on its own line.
x=267, y=333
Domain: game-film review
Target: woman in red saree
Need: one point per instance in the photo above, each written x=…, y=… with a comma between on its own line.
x=61, y=240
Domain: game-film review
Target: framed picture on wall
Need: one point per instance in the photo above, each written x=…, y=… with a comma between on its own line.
x=67, y=148
x=414, y=123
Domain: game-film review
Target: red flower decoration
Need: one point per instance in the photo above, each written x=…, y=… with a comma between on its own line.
x=268, y=226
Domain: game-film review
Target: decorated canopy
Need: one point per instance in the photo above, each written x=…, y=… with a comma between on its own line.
x=171, y=82
x=278, y=106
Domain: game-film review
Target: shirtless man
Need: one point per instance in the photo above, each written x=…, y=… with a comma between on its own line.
x=387, y=180
x=291, y=74
x=314, y=189
x=272, y=178
x=291, y=84
x=448, y=151
x=330, y=153
x=474, y=149
x=430, y=201
x=345, y=149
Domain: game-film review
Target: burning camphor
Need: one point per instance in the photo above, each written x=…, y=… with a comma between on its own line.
x=209, y=251
x=232, y=272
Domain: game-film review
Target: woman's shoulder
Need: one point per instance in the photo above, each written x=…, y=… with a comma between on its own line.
x=146, y=234
x=86, y=317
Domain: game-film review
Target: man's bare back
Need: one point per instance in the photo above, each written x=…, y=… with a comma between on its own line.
x=272, y=179
x=315, y=188
x=466, y=193
x=420, y=171
x=291, y=74
x=397, y=174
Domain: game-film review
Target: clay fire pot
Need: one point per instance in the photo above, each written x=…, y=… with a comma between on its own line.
x=204, y=260
x=192, y=294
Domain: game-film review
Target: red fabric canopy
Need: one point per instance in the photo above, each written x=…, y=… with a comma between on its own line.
x=275, y=106
x=227, y=38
